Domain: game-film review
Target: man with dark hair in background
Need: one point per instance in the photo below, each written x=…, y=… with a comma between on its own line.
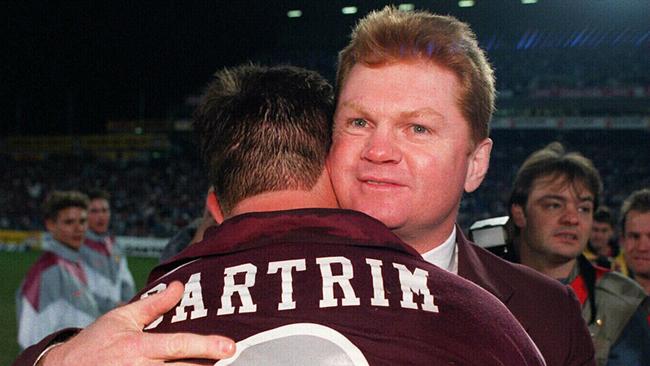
x=635, y=235
x=602, y=248
x=55, y=294
x=286, y=256
x=552, y=202
x=109, y=278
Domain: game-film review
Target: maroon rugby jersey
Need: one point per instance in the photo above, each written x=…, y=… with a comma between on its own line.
x=330, y=286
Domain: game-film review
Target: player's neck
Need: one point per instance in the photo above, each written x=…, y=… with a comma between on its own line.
x=321, y=195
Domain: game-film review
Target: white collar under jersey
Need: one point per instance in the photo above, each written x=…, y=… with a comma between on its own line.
x=445, y=255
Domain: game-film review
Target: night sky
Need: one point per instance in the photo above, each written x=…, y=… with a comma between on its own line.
x=68, y=67
x=73, y=66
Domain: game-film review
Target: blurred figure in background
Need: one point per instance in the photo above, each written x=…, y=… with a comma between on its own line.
x=552, y=202
x=109, y=278
x=193, y=232
x=635, y=226
x=54, y=294
x=602, y=248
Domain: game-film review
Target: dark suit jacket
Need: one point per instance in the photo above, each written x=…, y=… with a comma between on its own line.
x=548, y=310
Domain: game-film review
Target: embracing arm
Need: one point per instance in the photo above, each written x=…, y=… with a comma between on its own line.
x=117, y=339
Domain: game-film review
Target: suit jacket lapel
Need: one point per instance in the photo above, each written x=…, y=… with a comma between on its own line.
x=473, y=268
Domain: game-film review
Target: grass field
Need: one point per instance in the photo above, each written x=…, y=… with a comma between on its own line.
x=13, y=267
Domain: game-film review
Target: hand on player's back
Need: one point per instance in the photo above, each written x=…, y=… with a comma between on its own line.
x=117, y=338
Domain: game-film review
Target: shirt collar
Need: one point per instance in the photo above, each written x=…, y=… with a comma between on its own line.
x=52, y=245
x=445, y=255
x=95, y=236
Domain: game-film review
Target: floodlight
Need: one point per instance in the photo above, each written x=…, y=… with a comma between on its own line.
x=465, y=3
x=406, y=7
x=296, y=13
x=528, y=1
x=347, y=10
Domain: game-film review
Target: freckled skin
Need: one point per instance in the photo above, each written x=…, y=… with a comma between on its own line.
x=402, y=151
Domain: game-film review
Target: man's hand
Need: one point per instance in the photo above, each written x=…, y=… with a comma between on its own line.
x=117, y=338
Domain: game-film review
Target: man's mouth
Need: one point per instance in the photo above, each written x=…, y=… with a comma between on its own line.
x=567, y=236
x=378, y=182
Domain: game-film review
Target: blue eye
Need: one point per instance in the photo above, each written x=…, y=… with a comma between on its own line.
x=419, y=129
x=359, y=122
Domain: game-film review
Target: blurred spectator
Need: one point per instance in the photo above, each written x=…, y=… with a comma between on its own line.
x=602, y=248
x=54, y=294
x=109, y=278
x=193, y=232
x=635, y=226
x=552, y=202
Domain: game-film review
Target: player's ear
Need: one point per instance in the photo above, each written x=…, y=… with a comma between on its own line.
x=212, y=204
x=518, y=215
x=50, y=225
x=478, y=163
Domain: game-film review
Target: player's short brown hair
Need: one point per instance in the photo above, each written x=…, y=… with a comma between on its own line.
x=637, y=201
x=60, y=200
x=97, y=193
x=554, y=162
x=264, y=129
x=390, y=35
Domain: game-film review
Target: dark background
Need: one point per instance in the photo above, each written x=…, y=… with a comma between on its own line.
x=69, y=67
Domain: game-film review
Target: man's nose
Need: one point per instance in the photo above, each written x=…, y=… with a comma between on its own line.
x=644, y=243
x=570, y=215
x=382, y=147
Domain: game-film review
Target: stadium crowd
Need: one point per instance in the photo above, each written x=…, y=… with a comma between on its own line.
x=142, y=208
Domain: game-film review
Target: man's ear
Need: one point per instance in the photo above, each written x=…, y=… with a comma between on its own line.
x=212, y=204
x=49, y=225
x=478, y=163
x=518, y=215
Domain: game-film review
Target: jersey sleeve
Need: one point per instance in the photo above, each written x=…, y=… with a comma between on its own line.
x=38, y=314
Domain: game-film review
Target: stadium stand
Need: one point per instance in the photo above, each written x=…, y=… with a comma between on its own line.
x=590, y=74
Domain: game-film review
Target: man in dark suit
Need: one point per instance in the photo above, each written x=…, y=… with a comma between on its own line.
x=415, y=97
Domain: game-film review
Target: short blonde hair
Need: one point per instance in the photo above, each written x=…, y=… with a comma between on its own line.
x=391, y=35
x=637, y=201
x=58, y=201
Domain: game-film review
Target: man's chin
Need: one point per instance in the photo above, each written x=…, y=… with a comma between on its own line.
x=378, y=214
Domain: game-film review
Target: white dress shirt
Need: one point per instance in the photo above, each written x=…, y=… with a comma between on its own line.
x=445, y=255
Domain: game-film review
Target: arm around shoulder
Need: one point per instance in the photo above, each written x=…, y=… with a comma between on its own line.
x=117, y=338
